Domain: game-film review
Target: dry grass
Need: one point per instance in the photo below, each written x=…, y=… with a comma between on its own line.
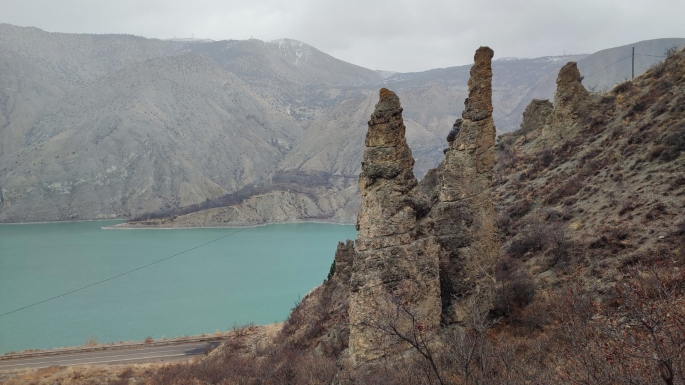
x=81, y=375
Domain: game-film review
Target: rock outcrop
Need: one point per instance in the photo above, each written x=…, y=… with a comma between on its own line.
x=344, y=258
x=535, y=116
x=423, y=249
x=462, y=220
x=571, y=100
x=392, y=267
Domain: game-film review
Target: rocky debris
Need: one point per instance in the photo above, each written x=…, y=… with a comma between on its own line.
x=391, y=266
x=462, y=220
x=426, y=248
x=535, y=115
x=571, y=101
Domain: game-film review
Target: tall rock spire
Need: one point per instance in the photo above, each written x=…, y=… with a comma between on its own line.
x=387, y=171
x=464, y=216
x=571, y=100
x=392, y=268
x=423, y=251
x=468, y=165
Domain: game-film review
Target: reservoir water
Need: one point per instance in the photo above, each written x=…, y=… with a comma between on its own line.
x=255, y=275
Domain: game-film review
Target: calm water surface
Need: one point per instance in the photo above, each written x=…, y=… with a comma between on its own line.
x=255, y=276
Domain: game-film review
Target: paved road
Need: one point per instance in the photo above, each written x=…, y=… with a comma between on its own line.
x=120, y=356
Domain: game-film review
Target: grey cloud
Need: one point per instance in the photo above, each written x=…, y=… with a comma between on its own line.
x=398, y=35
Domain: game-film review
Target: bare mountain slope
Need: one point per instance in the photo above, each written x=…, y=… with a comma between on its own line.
x=597, y=181
x=291, y=60
x=145, y=138
x=330, y=147
x=432, y=101
x=38, y=68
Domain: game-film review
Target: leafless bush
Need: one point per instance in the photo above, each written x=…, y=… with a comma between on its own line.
x=559, y=243
x=570, y=187
x=515, y=286
x=623, y=87
x=519, y=209
x=509, y=155
x=242, y=330
x=534, y=237
x=402, y=327
x=671, y=51
x=658, y=69
x=631, y=203
x=545, y=157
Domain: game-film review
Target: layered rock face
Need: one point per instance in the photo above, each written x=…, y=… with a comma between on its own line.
x=462, y=220
x=392, y=266
x=571, y=100
x=536, y=114
x=423, y=249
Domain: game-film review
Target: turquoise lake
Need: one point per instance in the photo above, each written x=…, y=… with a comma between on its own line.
x=255, y=275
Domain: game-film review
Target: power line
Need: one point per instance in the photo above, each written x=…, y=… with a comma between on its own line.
x=510, y=114
x=642, y=54
x=142, y=267
x=187, y=250
x=125, y=273
x=603, y=68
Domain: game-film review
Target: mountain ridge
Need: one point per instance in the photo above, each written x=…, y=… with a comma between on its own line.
x=56, y=83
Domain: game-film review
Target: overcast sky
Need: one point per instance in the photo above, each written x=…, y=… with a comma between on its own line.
x=399, y=35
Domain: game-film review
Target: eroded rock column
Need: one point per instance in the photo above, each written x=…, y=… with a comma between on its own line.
x=463, y=217
x=394, y=273
x=571, y=100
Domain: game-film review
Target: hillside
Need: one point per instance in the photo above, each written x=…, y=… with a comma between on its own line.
x=589, y=202
x=597, y=180
x=40, y=68
x=143, y=138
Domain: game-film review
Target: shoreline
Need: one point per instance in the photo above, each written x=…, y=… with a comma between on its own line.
x=235, y=226
x=143, y=227
x=74, y=221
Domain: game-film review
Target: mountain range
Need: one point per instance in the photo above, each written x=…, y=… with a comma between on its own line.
x=119, y=126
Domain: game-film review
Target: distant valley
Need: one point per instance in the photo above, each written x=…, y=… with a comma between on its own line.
x=120, y=126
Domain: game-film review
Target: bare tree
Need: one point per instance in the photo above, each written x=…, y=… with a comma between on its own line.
x=405, y=333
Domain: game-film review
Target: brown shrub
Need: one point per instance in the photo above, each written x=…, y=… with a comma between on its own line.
x=570, y=187
x=519, y=209
x=658, y=69
x=677, y=183
x=655, y=151
x=629, y=149
x=623, y=87
x=516, y=288
x=672, y=143
x=630, y=204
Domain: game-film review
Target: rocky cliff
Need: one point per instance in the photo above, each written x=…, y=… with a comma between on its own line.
x=423, y=249
x=462, y=219
x=394, y=265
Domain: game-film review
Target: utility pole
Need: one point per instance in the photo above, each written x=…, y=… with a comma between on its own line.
x=633, y=66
